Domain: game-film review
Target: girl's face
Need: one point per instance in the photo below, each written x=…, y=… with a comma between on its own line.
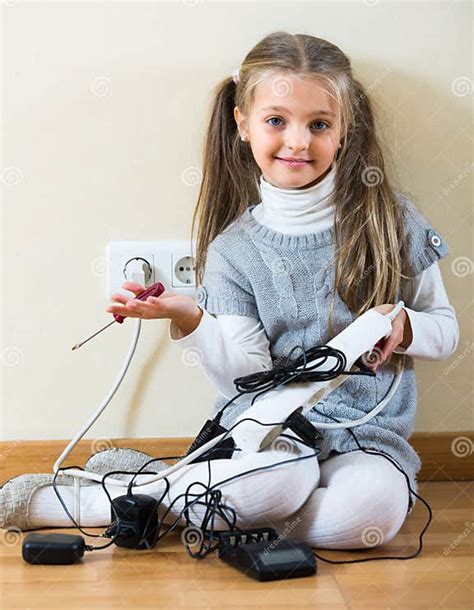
x=304, y=126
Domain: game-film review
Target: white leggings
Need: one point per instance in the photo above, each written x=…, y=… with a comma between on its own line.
x=349, y=501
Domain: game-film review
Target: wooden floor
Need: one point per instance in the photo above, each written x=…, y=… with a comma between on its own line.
x=167, y=577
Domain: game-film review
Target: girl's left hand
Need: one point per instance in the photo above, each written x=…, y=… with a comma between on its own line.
x=401, y=333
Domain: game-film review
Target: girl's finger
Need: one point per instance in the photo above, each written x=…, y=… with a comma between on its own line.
x=166, y=294
x=122, y=311
x=135, y=305
x=133, y=287
x=141, y=307
x=120, y=298
x=391, y=344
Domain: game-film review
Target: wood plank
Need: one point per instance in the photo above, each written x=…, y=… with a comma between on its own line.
x=166, y=577
x=445, y=456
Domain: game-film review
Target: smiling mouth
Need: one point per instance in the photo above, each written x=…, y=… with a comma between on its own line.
x=294, y=160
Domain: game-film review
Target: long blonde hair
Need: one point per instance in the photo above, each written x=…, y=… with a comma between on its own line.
x=369, y=242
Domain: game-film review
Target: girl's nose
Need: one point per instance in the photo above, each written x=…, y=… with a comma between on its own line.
x=297, y=141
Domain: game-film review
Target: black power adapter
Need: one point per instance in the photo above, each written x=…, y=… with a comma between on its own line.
x=134, y=521
x=53, y=549
x=134, y=525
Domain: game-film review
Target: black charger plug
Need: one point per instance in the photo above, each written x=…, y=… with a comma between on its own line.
x=53, y=549
x=222, y=451
x=135, y=521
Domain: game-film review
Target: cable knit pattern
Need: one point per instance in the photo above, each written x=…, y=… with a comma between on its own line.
x=286, y=280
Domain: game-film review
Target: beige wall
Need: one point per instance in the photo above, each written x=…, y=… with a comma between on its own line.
x=104, y=107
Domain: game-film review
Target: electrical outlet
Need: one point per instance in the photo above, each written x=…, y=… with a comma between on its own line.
x=183, y=270
x=168, y=262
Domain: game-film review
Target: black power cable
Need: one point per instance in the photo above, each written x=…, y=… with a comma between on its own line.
x=263, y=381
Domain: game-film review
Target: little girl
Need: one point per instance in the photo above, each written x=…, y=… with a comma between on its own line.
x=300, y=232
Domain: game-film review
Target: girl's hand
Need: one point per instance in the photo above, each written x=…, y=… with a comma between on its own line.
x=401, y=335
x=182, y=309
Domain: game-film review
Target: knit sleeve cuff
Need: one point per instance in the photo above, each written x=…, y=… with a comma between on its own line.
x=214, y=303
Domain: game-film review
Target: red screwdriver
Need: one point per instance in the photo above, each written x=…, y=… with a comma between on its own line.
x=153, y=291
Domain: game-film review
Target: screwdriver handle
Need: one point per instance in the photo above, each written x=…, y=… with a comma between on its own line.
x=153, y=291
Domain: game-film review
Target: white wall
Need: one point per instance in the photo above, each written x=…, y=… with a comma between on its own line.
x=104, y=106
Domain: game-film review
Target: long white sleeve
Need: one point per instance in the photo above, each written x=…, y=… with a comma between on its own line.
x=433, y=320
x=226, y=347
x=231, y=346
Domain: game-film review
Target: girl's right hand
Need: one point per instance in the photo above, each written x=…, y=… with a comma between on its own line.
x=179, y=308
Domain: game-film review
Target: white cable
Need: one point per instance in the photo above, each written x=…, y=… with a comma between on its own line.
x=83, y=474
x=358, y=422
x=108, y=398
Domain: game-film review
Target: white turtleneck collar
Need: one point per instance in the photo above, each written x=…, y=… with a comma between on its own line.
x=296, y=211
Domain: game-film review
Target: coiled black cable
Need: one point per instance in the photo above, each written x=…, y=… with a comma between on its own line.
x=290, y=372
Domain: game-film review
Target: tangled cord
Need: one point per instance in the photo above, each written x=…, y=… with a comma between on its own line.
x=260, y=382
x=214, y=505
x=290, y=372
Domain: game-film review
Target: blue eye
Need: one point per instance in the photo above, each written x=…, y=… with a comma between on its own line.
x=274, y=118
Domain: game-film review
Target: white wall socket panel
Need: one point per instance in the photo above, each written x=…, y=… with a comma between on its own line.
x=171, y=263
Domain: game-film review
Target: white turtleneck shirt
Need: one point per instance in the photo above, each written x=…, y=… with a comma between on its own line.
x=232, y=346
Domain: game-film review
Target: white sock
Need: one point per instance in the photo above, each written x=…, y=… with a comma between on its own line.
x=258, y=498
x=45, y=509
